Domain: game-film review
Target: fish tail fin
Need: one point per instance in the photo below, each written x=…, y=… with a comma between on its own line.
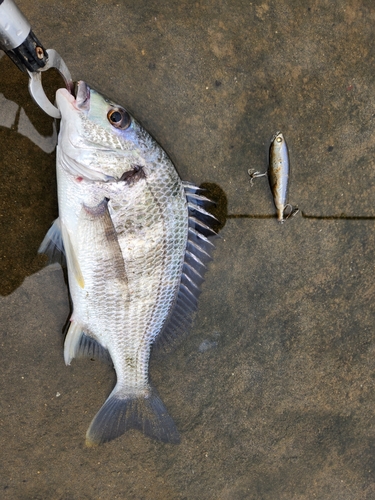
x=121, y=413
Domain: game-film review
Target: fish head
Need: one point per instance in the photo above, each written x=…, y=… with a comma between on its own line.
x=99, y=139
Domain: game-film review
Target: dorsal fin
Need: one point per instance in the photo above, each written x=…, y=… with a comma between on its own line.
x=197, y=254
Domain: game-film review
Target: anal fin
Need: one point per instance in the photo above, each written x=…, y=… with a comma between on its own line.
x=78, y=345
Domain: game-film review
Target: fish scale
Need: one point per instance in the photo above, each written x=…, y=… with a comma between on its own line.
x=135, y=238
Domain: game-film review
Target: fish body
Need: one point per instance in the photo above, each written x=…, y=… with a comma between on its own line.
x=278, y=173
x=135, y=241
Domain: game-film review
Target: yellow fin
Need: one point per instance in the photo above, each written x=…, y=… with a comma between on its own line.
x=71, y=257
x=72, y=341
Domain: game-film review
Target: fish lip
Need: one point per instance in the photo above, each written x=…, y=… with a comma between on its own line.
x=82, y=97
x=78, y=98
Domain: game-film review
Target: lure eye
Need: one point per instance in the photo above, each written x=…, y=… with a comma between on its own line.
x=119, y=118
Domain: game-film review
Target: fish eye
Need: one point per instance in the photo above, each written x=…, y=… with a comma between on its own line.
x=119, y=118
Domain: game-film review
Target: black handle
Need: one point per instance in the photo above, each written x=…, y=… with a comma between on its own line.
x=17, y=39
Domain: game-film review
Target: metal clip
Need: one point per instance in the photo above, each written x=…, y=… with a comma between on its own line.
x=35, y=83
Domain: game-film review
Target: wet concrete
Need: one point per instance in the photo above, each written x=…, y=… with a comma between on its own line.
x=273, y=389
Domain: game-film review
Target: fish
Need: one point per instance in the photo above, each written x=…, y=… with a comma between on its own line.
x=278, y=174
x=136, y=240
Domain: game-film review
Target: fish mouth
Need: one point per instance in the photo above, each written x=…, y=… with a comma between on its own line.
x=78, y=96
x=81, y=93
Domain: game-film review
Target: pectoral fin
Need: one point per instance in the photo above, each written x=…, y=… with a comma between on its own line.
x=97, y=226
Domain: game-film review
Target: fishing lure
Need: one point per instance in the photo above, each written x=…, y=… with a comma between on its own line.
x=278, y=175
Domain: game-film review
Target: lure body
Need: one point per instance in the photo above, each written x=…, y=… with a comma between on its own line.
x=278, y=173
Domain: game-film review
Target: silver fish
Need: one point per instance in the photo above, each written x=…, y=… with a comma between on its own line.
x=278, y=173
x=135, y=238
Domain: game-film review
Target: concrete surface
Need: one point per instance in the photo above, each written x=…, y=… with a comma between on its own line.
x=273, y=391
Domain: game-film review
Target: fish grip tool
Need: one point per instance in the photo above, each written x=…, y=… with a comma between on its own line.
x=22, y=46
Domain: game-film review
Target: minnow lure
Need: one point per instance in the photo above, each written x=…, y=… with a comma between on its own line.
x=278, y=175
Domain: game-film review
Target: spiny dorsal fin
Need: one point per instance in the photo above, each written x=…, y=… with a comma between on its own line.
x=198, y=252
